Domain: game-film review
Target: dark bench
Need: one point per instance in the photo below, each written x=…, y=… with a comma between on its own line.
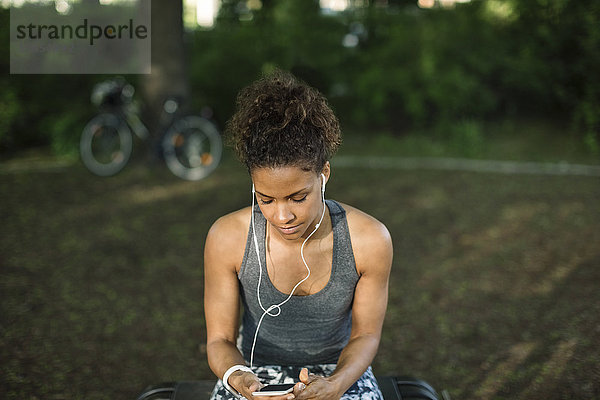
x=393, y=388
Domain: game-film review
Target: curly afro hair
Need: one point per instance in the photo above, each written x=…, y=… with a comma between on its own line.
x=281, y=121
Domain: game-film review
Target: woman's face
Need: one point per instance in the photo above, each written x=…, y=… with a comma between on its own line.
x=290, y=199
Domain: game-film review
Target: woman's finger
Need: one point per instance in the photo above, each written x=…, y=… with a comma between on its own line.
x=298, y=388
x=306, y=377
x=254, y=387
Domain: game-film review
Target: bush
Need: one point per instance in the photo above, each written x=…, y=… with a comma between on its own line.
x=9, y=110
x=411, y=70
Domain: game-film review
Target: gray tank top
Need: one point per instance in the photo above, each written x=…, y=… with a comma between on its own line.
x=311, y=329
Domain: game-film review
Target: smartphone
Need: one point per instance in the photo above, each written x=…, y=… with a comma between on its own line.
x=275, y=390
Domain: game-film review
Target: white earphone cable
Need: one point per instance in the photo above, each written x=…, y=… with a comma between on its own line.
x=269, y=311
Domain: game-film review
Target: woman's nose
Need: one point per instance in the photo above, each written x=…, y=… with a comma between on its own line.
x=283, y=214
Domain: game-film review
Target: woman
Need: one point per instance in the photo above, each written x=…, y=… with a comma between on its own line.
x=314, y=299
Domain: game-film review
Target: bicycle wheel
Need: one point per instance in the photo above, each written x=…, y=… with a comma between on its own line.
x=106, y=144
x=192, y=148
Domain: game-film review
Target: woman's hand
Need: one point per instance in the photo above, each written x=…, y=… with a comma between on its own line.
x=317, y=387
x=246, y=383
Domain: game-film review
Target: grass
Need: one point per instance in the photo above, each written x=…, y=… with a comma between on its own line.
x=511, y=140
x=493, y=293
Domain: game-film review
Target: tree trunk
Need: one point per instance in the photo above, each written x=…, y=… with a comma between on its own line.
x=168, y=75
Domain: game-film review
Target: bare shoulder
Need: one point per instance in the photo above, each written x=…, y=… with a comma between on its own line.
x=227, y=236
x=231, y=223
x=363, y=226
x=371, y=240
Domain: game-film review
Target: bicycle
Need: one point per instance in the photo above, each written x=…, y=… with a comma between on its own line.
x=190, y=145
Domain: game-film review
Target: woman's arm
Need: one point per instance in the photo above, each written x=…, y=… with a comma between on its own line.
x=221, y=302
x=373, y=253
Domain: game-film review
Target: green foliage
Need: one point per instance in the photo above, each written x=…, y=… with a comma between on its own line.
x=290, y=35
x=412, y=69
x=64, y=132
x=41, y=110
x=221, y=62
x=9, y=109
x=465, y=138
x=423, y=68
x=44, y=110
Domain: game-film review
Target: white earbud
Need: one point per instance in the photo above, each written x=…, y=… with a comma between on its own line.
x=323, y=185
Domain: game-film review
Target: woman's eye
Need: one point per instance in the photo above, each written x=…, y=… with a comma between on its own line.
x=265, y=201
x=300, y=200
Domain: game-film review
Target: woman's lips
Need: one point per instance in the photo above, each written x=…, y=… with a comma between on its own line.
x=288, y=231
